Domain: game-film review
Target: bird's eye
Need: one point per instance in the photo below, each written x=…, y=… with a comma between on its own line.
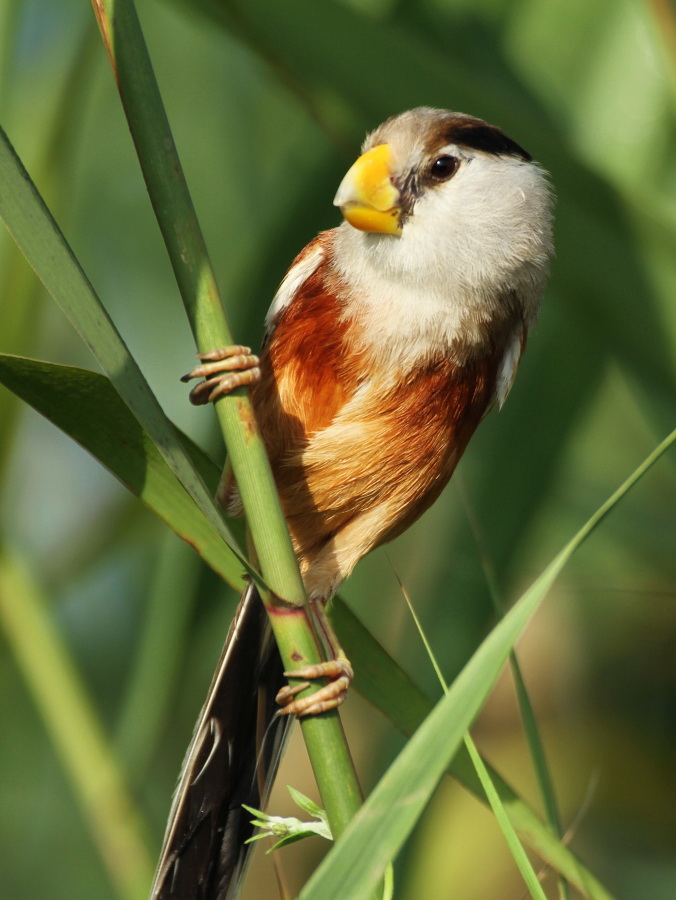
x=443, y=168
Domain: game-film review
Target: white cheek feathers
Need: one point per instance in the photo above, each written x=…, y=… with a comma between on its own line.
x=488, y=229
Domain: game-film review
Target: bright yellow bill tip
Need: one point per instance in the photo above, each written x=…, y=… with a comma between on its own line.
x=366, y=219
x=366, y=196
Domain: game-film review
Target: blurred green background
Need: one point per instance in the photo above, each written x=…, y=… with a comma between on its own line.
x=269, y=102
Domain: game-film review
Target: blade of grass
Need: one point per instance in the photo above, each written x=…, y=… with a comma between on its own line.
x=168, y=191
x=383, y=683
x=357, y=861
x=86, y=406
x=515, y=846
x=492, y=794
x=76, y=733
x=526, y=711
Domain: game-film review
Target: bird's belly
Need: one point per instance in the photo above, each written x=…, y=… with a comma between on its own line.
x=384, y=464
x=403, y=492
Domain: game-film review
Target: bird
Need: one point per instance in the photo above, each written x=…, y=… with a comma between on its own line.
x=390, y=338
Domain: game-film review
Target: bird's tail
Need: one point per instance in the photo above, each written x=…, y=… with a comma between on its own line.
x=232, y=759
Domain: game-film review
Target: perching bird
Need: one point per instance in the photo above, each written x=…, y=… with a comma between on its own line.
x=388, y=341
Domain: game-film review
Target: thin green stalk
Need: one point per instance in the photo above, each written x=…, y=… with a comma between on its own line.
x=528, y=718
x=492, y=794
x=75, y=731
x=515, y=845
x=325, y=740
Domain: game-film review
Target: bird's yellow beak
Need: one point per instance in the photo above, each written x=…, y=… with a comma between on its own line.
x=366, y=196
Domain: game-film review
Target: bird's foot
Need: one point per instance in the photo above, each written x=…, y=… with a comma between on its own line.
x=224, y=369
x=340, y=675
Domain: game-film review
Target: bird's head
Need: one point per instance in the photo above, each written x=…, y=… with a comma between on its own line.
x=437, y=192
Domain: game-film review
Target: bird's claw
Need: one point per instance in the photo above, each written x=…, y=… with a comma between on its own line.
x=224, y=369
x=340, y=675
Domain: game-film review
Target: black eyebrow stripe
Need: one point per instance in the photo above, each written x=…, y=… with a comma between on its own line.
x=480, y=136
